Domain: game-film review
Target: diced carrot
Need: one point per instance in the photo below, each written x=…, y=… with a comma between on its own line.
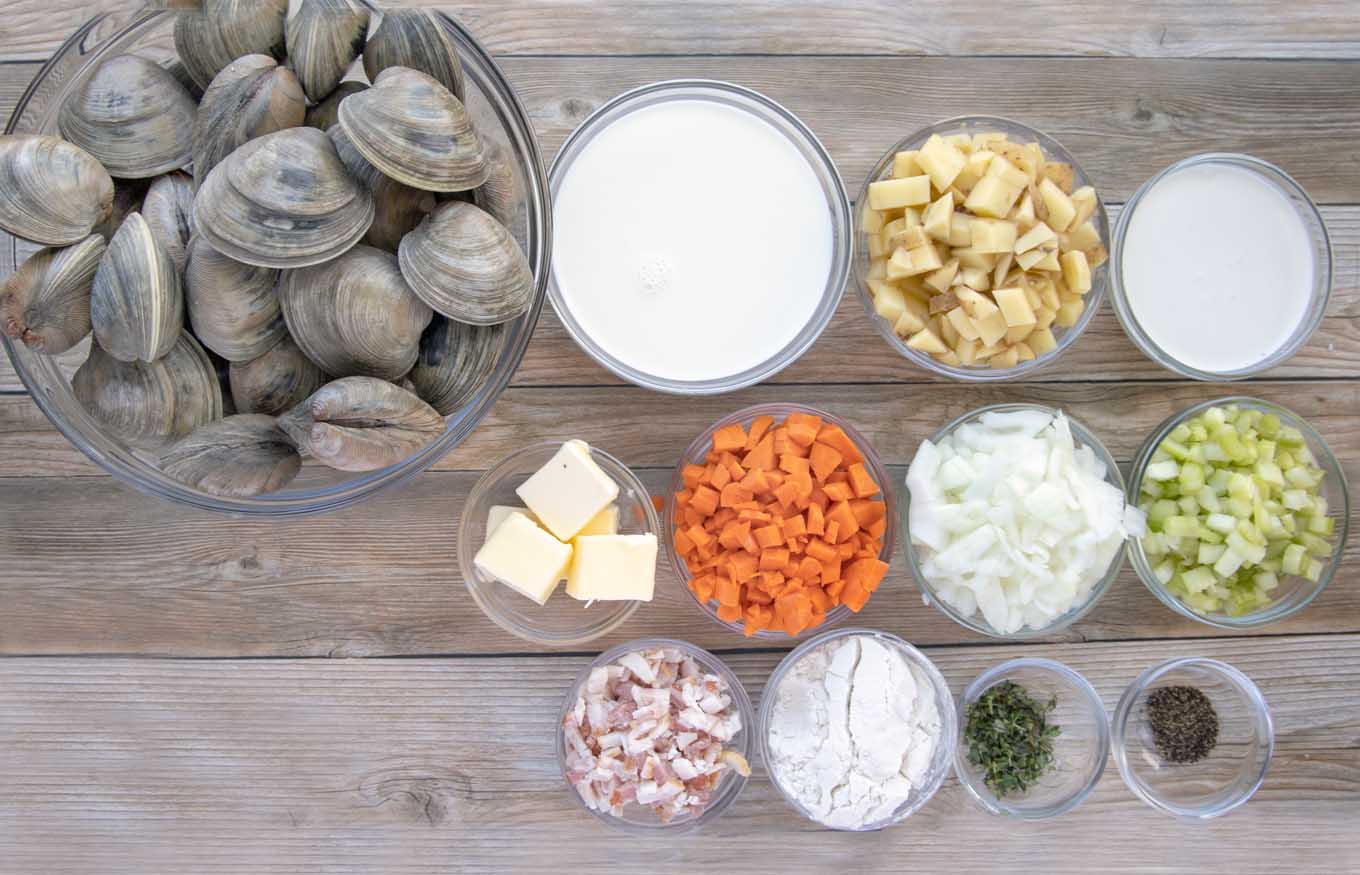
x=683, y=496
x=787, y=494
x=877, y=528
x=791, y=464
x=834, y=589
x=867, y=512
x=705, y=500
x=743, y=565
x=757, y=481
x=838, y=491
x=693, y=475
x=775, y=479
x=757, y=596
x=729, y=613
x=703, y=586
x=821, y=602
x=684, y=545
x=831, y=570
x=691, y=516
x=727, y=591
x=729, y=438
x=854, y=596
x=718, y=476
x=773, y=558
x=810, y=569
x=846, y=549
x=838, y=476
x=720, y=519
x=835, y=436
x=793, y=611
x=861, y=482
x=699, y=535
x=794, y=526
x=819, y=498
x=769, y=536
x=762, y=457
x=824, y=460
x=733, y=466
x=755, y=516
x=792, y=569
x=816, y=521
x=771, y=580
x=734, y=534
x=759, y=426
x=803, y=428
x=868, y=573
x=833, y=531
x=734, y=494
x=821, y=550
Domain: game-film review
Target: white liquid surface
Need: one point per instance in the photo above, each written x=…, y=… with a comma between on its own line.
x=692, y=240
x=1217, y=267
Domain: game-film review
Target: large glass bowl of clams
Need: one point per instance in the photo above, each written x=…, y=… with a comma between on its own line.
x=268, y=261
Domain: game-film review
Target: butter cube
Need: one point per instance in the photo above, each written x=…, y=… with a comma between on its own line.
x=569, y=491
x=613, y=568
x=500, y=512
x=525, y=558
x=606, y=522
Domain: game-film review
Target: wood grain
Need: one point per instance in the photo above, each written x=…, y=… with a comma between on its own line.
x=405, y=766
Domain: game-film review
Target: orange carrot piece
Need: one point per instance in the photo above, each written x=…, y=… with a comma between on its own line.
x=831, y=570
x=816, y=520
x=821, y=550
x=867, y=573
x=727, y=591
x=699, y=535
x=733, y=466
x=720, y=519
x=743, y=565
x=821, y=602
x=791, y=464
x=787, y=494
x=705, y=500
x=734, y=494
x=774, y=558
x=769, y=536
x=683, y=496
x=757, y=481
x=759, y=426
x=718, y=476
x=846, y=549
x=854, y=596
x=867, y=512
x=833, y=530
x=693, y=475
x=703, y=586
x=734, y=534
x=683, y=544
x=729, y=613
x=762, y=456
x=803, y=428
x=729, y=438
x=810, y=569
x=834, y=436
x=877, y=528
x=838, y=491
x=861, y=482
x=834, y=589
x=794, y=526
x=824, y=461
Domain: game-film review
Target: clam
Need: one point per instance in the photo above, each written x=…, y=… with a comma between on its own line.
x=136, y=305
x=168, y=209
x=133, y=116
x=325, y=113
x=275, y=381
x=455, y=361
x=500, y=194
x=128, y=196
x=324, y=37
x=283, y=200
x=467, y=266
x=413, y=129
x=415, y=38
x=362, y=424
x=51, y=192
x=355, y=316
x=232, y=306
x=145, y=404
x=251, y=97
x=237, y=457
x=175, y=67
x=210, y=38
x=46, y=302
x=398, y=208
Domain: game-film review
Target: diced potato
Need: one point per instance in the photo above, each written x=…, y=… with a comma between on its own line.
x=904, y=165
x=1023, y=352
x=1049, y=262
x=967, y=351
x=926, y=341
x=1006, y=171
x=1040, y=233
x=925, y=259
x=959, y=232
x=870, y=220
x=991, y=328
x=1042, y=342
x=1084, y=199
x=1096, y=255
x=975, y=278
x=908, y=324
x=1007, y=358
x=911, y=191
x=1062, y=175
x=889, y=302
x=1070, y=312
x=1023, y=213
x=973, y=170
x=911, y=216
x=963, y=141
x=1027, y=260
x=992, y=235
x=992, y=196
x=1044, y=317
x=878, y=269
x=959, y=318
x=948, y=333
x=1017, y=333
x=1001, y=273
x=986, y=351
x=941, y=160
x=899, y=265
x=1083, y=237
x=1058, y=205
x=943, y=278
x=970, y=257
x=1032, y=296
x=1014, y=306
x=986, y=139
x=913, y=237
x=950, y=358
x=1021, y=159
x=939, y=216
x=1050, y=296
x=877, y=248
x=1076, y=272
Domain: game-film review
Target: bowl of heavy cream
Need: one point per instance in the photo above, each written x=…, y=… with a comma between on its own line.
x=1221, y=267
x=701, y=237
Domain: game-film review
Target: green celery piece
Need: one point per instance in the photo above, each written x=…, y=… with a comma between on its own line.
x=1322, y=525
x=1314, y=570
x=1180, y=433
x=1162, y=470
x=1181, y=526
x=1221, y=522
x=1191, y=477
x=1320, y=547
x=1210, y=553
x=1295, y=555
x=1270, y=425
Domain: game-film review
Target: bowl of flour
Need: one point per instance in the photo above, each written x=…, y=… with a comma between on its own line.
x=857, y=729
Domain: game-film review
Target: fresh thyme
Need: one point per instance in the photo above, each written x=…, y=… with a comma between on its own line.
x=1010, y=738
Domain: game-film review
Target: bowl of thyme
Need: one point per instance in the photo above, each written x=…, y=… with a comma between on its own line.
x=1033, y=739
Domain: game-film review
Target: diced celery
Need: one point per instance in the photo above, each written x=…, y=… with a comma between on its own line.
x=1296, y=499
x=1214, y=417
x=1265, y=451
x=1250, y=553
x=1180, y=433
x=1197, y=579
x=1191, y=477
x=1228, y=563
x=1269, y=425
x=1210, y=553
x=1265, y=581
x=1159, y=512
x=1322, y=525
x=1162, y=470
x=1152, y=488
x=1294, y=557
x=1208, y=499
x=1221, y=523
x=1188, y=506
x=1241, y=487
x=1313, y=544
x=1291, y=437
x=1314, y=570
x=1181, y=526
x=1219, y=481
x=1301, y=477
x=1175, y=449
x=1240, y=507
x=1270, y=473
x=1165, y=571
x=1251, y=533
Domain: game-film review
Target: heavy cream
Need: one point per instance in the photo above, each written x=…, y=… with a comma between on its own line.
x=692, y=240
x=1217, y=267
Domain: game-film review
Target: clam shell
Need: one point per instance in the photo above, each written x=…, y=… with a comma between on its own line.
x=146, y=404
x=136, y=305
x=175, y=67
x=210, y=38
x=362, y=424
x=276, y=381
x=251, y=97
x=324, y=38
x=414, y=130
x=51, y=192
x=326, y=113
x=467, y=266
x=355, y=316
x=46, y=302
x=237, y=457
x=418, y=39
x=169, y=210
x=132, y=115
x=128, y=197
x=397, y=208
x=232, y=306
x=455, y=361
x=283, y=200
x=500, y=195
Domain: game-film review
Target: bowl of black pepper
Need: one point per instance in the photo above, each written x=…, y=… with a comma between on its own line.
x=1193, y=737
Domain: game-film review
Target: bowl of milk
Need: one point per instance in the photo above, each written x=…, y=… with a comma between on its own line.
x=701, y=237
x=1221, y=267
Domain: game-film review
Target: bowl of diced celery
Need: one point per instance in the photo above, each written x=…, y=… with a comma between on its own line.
x=1248, y=512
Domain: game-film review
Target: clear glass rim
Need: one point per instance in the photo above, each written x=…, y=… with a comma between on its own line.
x=1071, y=677
x=466, y=550
x=129, y=467
x=1083, y=435
x=947, y=742
x=732, y=783
x=698, y=448
x=1260, y=708
x=1138, y=558
x=1325, y=267
x=1094, y=298
x=841, y=220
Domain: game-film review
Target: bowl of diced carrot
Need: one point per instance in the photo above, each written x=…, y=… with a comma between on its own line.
x=778, y=521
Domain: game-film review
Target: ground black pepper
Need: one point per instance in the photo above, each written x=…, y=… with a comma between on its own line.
x=1184, y=723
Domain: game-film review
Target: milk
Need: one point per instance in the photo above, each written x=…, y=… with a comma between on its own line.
x=692, y=240
x=1217, y=267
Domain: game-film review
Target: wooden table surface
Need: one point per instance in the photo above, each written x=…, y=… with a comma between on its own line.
x=188, y=693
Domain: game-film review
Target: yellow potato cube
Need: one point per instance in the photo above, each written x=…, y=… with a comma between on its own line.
x=1083, y=237
x=1044, y=317
x=1040, y=233
x=963, y=141
x=975, y=278
x=970, y=257
x=1027, y=260
x=1076, y=272
x=1023, y=352
x=1062, y=174
x=877, y=248
x=958, y=317
x=1032, y=295
x=959, y=233
x=1096, y=255
x=986, y=139
x=1070, y=312
x=908, y=324
x=967, y=351
x=925, y=259
x=991, y=328
x=1084, y=199
x=1049, y=261
x=888, y=194
x=943, y=278
x=878, y=269
x=992, y=235
x=904, y=165
x=914, y=237
x=870, y=220
x=1017, y=333
x=911, y=216
x=985, y=352
x=950, y=358
x=1021, y=159
x=1007, y=358
x=1042, y=342
x=889, y=302
x=899, y=265
x=1014, y=306
x=947, y=332
x=1023, y=213
x=1001, y=168
x=939, y=217
x=926, y=341
x=1001, y=273
x=992, y=197
x=942, y=161
x=974, y=170
x=1060, y=209
x=1050, y=296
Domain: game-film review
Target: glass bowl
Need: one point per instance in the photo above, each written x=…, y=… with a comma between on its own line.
x=1079, y=751
x=1322, y=266
x=1083, y=437
x=562, y=621
x=1294, y=593
x=818, y=160
x=1232, y=772
x=638, y=819
x=944, y=702
x=1053, y=150
x=500, y=117
x=694, y=454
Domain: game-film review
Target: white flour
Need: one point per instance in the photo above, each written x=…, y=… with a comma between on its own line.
x=852, y=731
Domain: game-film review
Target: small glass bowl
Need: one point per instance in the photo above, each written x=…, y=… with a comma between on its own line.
x=819, y=162
x=1295, y=593
x=639, y=819
x=1019, y=133
x=1083, y=437
x=695, y=453
x=944, y=702
x=1232, y=772
x=1079, y=750
x=1322, y=266
x=563, y=621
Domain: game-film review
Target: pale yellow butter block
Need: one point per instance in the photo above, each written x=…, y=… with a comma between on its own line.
x=613, y=568
x=525, y=558
x=569, y=491
x=500, y=512
x=606, y=522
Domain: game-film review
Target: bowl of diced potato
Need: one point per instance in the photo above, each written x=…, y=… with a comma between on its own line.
x=981, y=248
